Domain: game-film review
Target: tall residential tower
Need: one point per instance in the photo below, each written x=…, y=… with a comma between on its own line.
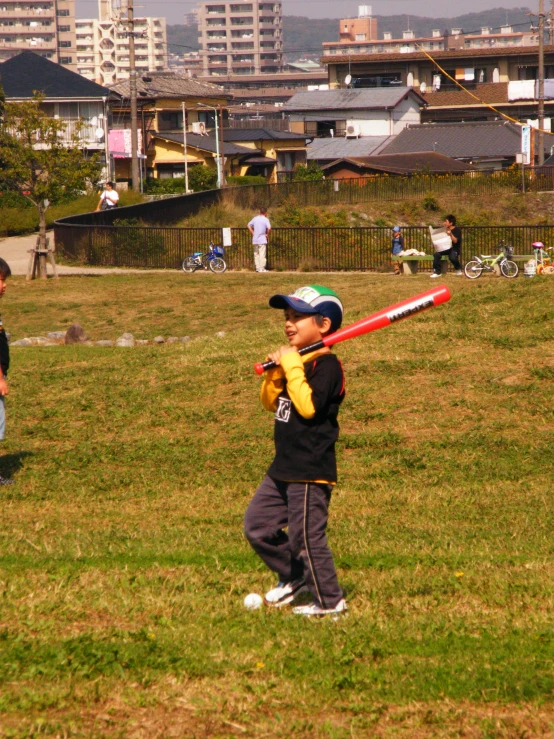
x=240, y=37
x=103, y=44
x=46, y=27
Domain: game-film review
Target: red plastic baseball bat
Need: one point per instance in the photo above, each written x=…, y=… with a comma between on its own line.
x=404, y=309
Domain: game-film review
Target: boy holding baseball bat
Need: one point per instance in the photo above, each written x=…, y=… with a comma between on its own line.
x=305, y=393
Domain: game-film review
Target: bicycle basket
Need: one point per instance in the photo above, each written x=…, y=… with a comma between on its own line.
x=509, y=251
x=219, y=251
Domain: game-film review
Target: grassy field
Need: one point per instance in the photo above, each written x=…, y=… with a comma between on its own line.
x=122, y=561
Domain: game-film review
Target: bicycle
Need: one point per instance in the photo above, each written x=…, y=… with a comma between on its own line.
x=213, y=259
x=478, y=265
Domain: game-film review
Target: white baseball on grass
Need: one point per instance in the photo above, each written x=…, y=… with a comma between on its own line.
x=253, y=601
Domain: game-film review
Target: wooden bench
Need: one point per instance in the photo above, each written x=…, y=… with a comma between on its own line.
x=410, y=264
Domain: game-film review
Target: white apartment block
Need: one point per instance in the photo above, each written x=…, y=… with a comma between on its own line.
x=243, y=37
x=46, y=27
x=103, y=45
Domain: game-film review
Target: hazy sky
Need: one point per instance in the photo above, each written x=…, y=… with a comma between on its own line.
x=174, y=10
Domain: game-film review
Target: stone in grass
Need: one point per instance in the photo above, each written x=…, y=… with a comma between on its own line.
x=56, y=335
x=141, y=342
x=220, y=334
x=158, y=340
x=75, y=334
x=184, y=339
x=172, y=340
x=104, y=342
x=22, y=342
x=125, y=340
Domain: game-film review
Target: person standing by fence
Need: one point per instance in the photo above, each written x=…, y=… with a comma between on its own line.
x=397, y=247
x=260, y=228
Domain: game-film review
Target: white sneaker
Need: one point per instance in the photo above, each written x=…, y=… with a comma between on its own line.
x=434, y=275
x=285, y=592
x=315, y=611
x=459, y=273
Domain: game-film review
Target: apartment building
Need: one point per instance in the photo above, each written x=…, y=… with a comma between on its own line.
x=103, y=45
x=46, y=27
x=353, y=42
x=240, y=38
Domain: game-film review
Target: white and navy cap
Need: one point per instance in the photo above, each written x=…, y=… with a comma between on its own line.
x=312, y=299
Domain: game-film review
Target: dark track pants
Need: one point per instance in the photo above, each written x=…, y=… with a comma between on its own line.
x=453, y=254
x=303, y=552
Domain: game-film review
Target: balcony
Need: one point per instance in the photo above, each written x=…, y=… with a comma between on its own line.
x=29, y=13
x=217, y=47
x=20, y=43
x=242, y=21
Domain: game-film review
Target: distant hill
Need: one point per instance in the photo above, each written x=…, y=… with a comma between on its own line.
x=304, y=36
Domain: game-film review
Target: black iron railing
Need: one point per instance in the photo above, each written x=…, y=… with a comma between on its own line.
x=304, y=249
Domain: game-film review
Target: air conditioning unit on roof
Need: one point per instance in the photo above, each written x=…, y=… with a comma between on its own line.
x=352, y=130
x=198, y=127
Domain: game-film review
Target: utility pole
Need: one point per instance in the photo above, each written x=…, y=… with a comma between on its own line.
x=551, y=25
x=540, y=137
x=133, y=95
x=185, y=149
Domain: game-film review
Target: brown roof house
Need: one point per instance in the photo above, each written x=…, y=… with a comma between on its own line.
x=394, y=164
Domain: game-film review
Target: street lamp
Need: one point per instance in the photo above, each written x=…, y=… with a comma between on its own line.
x=217, y=157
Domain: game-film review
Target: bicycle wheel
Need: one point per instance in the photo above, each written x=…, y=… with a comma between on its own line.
x=188, y=265
x=218, y=265
x=473, y=269
x=509, y=269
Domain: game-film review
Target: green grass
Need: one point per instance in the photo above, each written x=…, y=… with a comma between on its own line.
x=15, y=221
x=122, y=561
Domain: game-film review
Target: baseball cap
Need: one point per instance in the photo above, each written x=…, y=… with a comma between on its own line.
x=396, y=229
x=312, y=299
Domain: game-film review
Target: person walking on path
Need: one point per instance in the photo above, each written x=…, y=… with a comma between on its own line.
x=260, y=228
x=455, y=251
x=397, y=247
x=109, y=198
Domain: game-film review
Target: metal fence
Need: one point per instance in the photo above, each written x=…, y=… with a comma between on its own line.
x=326, y=192
x=304, y=249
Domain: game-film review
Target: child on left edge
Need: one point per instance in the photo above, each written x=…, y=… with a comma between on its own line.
x=5, y=272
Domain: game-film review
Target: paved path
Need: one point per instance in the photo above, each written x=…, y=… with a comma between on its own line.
x=15, y=250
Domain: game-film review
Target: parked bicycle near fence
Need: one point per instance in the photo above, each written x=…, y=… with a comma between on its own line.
x=478, y=265
x=213, y=259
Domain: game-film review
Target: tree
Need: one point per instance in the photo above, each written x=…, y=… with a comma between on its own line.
x=42, y=161
x=310, y=173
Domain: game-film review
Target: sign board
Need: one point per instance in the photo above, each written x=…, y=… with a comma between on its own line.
x=226, y=237
x=526, y=144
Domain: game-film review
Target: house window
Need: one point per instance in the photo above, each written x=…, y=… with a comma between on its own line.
x=64, y=29
x=64, y=44
x=63, y=13
x=66, y=60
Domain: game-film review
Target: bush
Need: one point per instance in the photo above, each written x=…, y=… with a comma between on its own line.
x=202, y=178
x=430, y=203
x=311, y=173
x=14, y=200
x=164, y=186
x=246, y=180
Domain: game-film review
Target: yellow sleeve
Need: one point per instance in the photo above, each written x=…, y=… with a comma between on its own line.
x=298, y=388
x=272, y=385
